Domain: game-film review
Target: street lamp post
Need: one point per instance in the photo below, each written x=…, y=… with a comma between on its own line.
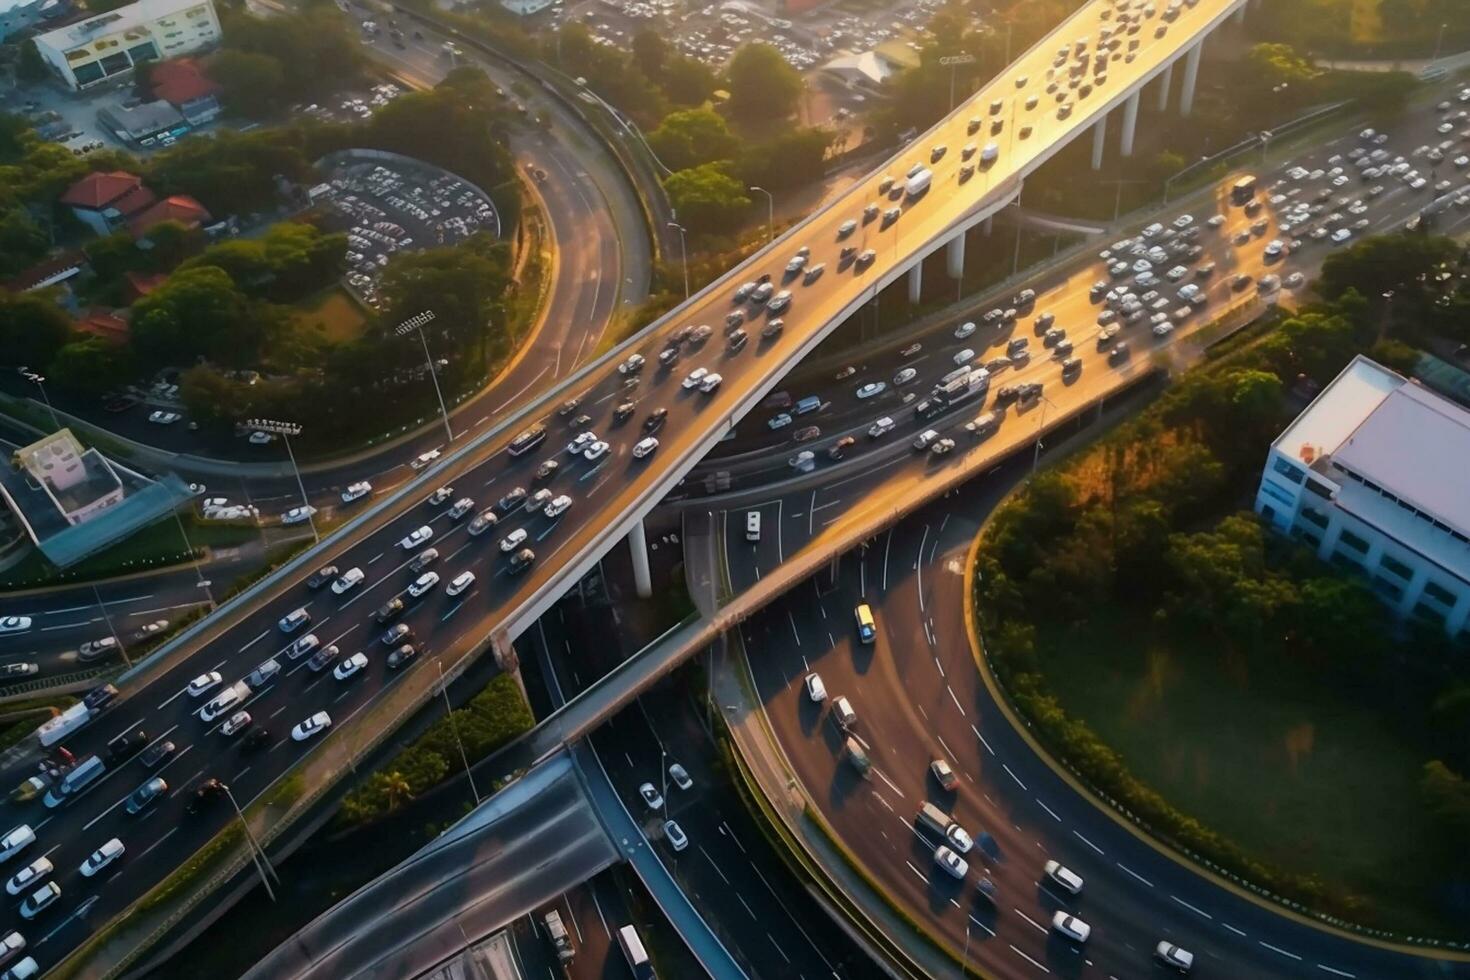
x=770, y=213
x=198, y=572
x=683, y=254
x=417, y=322
x=286, y=430
x=1040, y=426
x=952, y=62
x=449, y=713
x=1438, y=42
x=257, y=854
x=40, y=381
x=112, y=630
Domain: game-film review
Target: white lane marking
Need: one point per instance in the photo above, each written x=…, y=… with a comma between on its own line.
x=888, y=781
x=1028, y=959
x=982, y=740
x=1100, y=850
x=1150, y=884
x=983, y=926
x=713, y=864
x=1036, y=925
x=1238, y=932
x=1013, y=775
x=255, y=641
x=67, y=626
x=1278, y=949
x=1340, y=973
x=955, y=699
x=1194, y=909
x=1049, y=810
x=917, y=872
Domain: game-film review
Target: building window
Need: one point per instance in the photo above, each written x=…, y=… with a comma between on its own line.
x=1439, y=593
x=1354, y=542
x=1271, y=490
x=1310, y=539
x=1392, y=564
x=115, y=63
x=1320, y=489
x=87, y=74
x=1346, y=562
x=1315, y=516
x=1429, y=614
x=1384, y=587
x=143, y=52
x=1288, y=469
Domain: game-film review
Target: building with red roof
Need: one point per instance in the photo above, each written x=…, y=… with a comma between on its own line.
x=182, y=83
x=104, y=323
x=180, y=207
x=105, y=200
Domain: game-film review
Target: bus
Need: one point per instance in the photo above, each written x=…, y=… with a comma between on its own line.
x=635, y=954
x=528, y=440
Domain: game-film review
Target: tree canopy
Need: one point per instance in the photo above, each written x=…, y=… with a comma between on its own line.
x=763, y=86
x=32, y=328
x=706, y=198
x=690, y=137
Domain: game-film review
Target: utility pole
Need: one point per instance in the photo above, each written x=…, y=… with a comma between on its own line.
x=953, y=62
x=683, y=254
x=449, y=714
x=286, y=430
x=257, y=855
x=417, y=322
x=770, y=215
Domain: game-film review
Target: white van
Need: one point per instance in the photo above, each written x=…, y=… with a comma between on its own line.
x=752, y=525
x=843, y=714
x=82, y=775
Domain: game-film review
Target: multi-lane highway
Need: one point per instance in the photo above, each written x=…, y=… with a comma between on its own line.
x=606, y=493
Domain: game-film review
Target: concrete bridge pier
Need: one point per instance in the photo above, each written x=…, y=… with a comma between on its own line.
x=1165, y=80
x=916, y=280
x=1099, y=141
x=1130, y=124
x=955, y=255
x=638, y=545
x=1191, y=75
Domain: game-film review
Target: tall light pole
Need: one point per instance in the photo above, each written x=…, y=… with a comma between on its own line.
x=952, y=62
x=1040, y=426
x=417, y=322
x=683, y=254
x=449, y=713
x=198, y=572
x=1438, y=42
x=286, y=430
x=107, y=618
x=40, y=382
x=770, y=212
x=257, y=854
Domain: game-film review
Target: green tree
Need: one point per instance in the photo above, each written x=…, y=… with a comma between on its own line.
x=788, y=160
x=1450, y=717
x=231, y=173
x=706, y=198
x=22, y=241
x=1447, y=797
x=31, y=67
x=252, y=83
x=289, y=261
x=687, y=81
x=32, y=328
x=1403, y=264
x=317, y=49
x=198, y=313
x=763, y=86
x=91, y=367
x=14, y=130
x=691, y=137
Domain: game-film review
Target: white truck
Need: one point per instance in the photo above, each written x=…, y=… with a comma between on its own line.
x=919, y=183
x=64, y=724
x=955, y=390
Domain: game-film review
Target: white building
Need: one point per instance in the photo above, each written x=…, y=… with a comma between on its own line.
x=18, y=15
x=1375, y=475
x=110, y=44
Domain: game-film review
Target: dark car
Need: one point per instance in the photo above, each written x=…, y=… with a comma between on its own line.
x=389, y=611
x=736, y=341
x=522, y=560
x=580, y=422
x=511, y=500
x=323, y=658
x=157, y=753
x=624, y=411
x=255, y=739
x=402, y=655
x=1007, y=393
x=569, y=406
x=127, y=745
x=655, y=420
x=208, y=791
x=321, y=577
x=145, y=794
x=394, y=635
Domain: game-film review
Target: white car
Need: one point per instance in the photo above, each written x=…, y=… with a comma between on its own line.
x=439, y=496
x=880, y=427
x=39, y=899
x=303, y=645
x=693, y=378
x=675, y=835
x=423, y=459
x=680, y=776
x=356, y=491
x=460, y=584
x=581, y=442
x=950, y=861
x=350, y=580
x=423, y=584
x=416, y=538
x=294, y=620
x=651, y=796
x=1341, y=235
x=102, y=857
x=905, y=376
x=513, y=540
x=15, y=624
x=1167, y=953
x=1065, y=877
x=595, y=451
x=164, y=418
x=205, y=682
x=350, y=666
x=964, y=357
x=222, y=702
x=870, y=389
x=816, y=691
x=239, y=721
x=298, y=515
x=558, y=506
x=644, y=447
x=632, y=365
x=1070, y=926
x=18, y=838
x=964, y=330
x=710, y=383
x=959, y=838
x=779, y=421
x=316, y=724
x=259, y=438
x=30, y=875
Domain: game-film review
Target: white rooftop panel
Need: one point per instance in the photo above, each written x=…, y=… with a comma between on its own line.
x=1338, y=410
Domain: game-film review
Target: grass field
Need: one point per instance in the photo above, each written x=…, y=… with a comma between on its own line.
x=1282, y=767
x=332, y=315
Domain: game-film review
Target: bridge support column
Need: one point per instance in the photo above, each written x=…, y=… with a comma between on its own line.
x=916, y=281
x=1130, y=124
x=1165, y=80
x=989, y=225
x=1099, y=141
x=1240, y=15
x=1191, y=74
x=642, y=577
x=955, y=253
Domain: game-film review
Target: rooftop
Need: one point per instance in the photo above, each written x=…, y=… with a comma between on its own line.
x=142, y=120
x=99, y=189
x=111, y=22
x=180, y=207
x=181, y=80
x=1337, y=410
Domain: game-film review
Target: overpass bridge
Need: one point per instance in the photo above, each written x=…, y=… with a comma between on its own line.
x=612, y=494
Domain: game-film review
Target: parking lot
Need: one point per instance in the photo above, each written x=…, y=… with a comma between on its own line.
x=389, y=205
